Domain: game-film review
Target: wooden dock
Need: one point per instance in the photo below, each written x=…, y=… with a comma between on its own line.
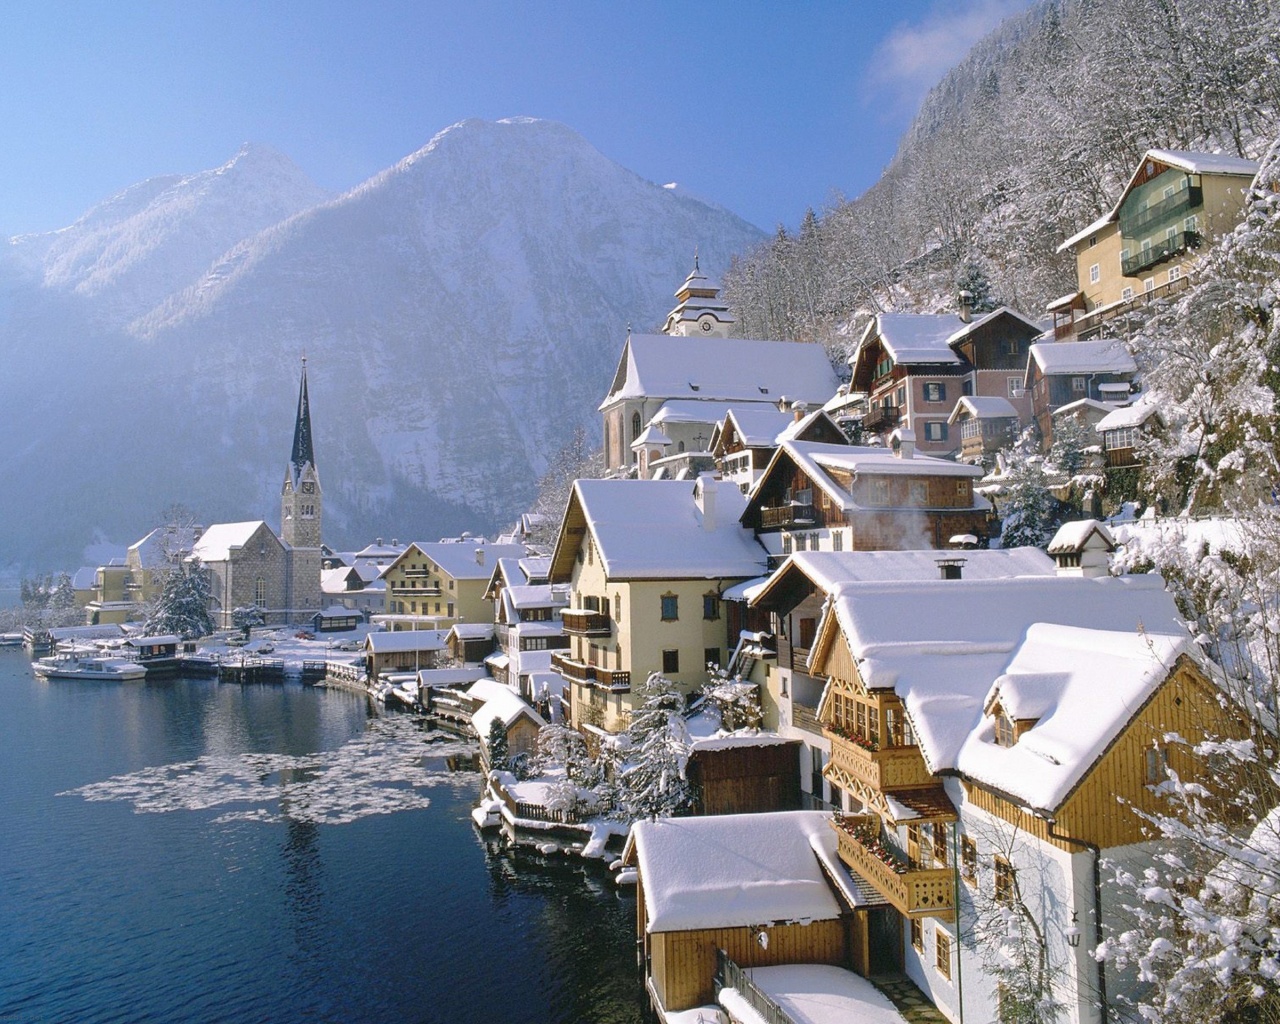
x=251, y=670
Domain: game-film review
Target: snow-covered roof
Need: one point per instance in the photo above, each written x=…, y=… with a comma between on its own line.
x=1102, y=355
x=664, y=366
x=472, y=631
x=654, y=529
x=407, y=640
x=814, y=994
x=544, y=595
x=827, y=570
x=1129, y=416
x=685, y=410
x=914, y=337
x=379, y=550
x=945, y=646
x=487, y=689
x=504, y=707
x=1001, y=311
x=449, y=676
x=735, y=870
x=85, y=578
x=1072, y=537
x=759, y=424
x=983, y=407
x=216, y=542
x=798, y=426
x=651, y=435
x=1081, y=405
x=154, y=641
x=160, y=544
x=466, y=560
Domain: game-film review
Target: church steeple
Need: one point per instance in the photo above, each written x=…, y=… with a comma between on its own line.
x=300, y=498
x=700, y=310
x=303, y=452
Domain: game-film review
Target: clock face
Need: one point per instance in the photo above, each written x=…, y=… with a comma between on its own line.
x=706, y=325
x=308, y=487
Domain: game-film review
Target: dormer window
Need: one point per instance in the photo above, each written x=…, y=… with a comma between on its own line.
x=1004, y=729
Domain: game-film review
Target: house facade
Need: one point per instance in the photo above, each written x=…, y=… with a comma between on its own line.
x=1144, y=247
x=436, y=585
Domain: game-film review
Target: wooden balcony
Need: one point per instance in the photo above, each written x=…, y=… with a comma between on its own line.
x=415, y=591
x=581, y=622
x=787, y=515
x=615, y=680
x=918, y=892
x=571, y=669
x=885, y=769
x=881, y=417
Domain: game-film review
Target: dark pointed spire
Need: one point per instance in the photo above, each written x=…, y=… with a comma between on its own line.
x=303, y=453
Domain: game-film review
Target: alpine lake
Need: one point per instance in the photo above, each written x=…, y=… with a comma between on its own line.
x=184, y=850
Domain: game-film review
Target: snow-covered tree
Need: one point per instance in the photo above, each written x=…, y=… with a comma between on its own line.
x=246, y=617
x=63, y=597
x=1031, y=514
x=182, y=606
x=496, y=743
x=652, y=784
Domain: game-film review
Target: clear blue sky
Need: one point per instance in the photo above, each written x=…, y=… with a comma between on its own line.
x=764, y=107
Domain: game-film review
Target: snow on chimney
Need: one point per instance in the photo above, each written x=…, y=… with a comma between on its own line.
x=704, y=495
x=903, y=442
x=799, y=410
x=479, y=556
x=950, y=568
x=965, y=301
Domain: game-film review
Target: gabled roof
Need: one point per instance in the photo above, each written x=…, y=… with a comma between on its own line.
x=465, y=560
x=983, y=407
x=505, y=707
x=654, y=529
x=720, y=369
x=407, y=640
x=942, y=647
x=913, y=338
x=1071, y=538
x=1101, y=355
x=1002, y=312
x=156, y=547
x=1082, y=405
x=216, y=542
x=735, y=870
x=827, y=570
x=1130, y=415
x=1182, y=159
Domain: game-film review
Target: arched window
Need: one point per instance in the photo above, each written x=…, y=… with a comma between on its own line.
x=635, y=425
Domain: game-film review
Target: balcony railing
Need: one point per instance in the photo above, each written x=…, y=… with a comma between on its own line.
x=414, y=573
x=889, y=768
x=1165, y=250
x=1132, y=224
x=416, y=591
x=612, y=679
x=881, y=417
x=915, y=892
x=805, y=717
x=786, y=515
x=730, y=975
x=581, y=622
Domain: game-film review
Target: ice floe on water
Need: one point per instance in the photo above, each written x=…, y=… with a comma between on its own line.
x=389, y=767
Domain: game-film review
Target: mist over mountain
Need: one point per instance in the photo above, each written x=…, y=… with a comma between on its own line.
x=461, y=313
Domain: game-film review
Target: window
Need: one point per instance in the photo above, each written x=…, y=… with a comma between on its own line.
x=635, y=426
x=1157, y=765
x=711, y=606
x=260, y=592
x=878, y=491
x=670, y=607
x=900, y=396
x=1004, y=730
x=935, y=430
x=1149, y=285
x=942, y=950
x=808, y=630
x=919, y=493
x=1175, y=273
x=1189, y=224
x=939, y=845
x=1124, y=258
x=917, y=934
x=670, y=662
x=935, y=391
x=1014, y=386
x=450, y=608
x=968, y=860
x=1126, y=293
x=801, y=541
x=1012, y=346
x=837, y=540
x=1095, y=274
x=711, y=656
x=786, y=543
x=1005, y=880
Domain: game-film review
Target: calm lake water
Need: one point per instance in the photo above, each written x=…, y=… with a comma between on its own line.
x=186, y=851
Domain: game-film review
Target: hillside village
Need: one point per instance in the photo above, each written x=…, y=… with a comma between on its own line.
x=864, y=752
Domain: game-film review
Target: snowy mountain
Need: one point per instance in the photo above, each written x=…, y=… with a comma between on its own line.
x=461, y=313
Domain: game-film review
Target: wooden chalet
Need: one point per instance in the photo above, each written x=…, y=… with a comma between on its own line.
x=745, y=440
x=1059, y=373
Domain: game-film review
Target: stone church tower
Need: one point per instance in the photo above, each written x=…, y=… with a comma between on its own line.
x=301, y=508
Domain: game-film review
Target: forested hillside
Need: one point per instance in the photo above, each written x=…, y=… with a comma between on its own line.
x=1026, y=141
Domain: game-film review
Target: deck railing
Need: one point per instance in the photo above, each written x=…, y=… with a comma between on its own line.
x=887, y=768
x=786, y=515
x=730, y=975
x=915, y=892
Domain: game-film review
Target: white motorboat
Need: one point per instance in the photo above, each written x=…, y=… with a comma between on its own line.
x=79, y=666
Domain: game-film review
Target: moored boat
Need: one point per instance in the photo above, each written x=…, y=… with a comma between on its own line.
x=77, y=666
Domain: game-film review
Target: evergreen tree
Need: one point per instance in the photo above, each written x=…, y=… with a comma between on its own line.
x=496, y=742
x=653, y=782
x=64, y=595
x=1031, y=515
x=972, y=278
x=183, y=604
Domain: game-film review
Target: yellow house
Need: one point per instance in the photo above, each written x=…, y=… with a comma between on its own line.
x=437, y=585
x=646, y=562
x=991, y=739
x=121, y=590
x=1176, y=202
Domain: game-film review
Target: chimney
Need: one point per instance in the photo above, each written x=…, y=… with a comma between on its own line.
x=479, y=556
x=950, y=568
x=704, y=495
x=783, y=403
x=903, y=442
x=798, y=410
x=965, y=301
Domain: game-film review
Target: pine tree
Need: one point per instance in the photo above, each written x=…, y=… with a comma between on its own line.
x=183, y=604
x=64, y=595
x=1031, y=514
x=653, y=783
x=496, y=742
